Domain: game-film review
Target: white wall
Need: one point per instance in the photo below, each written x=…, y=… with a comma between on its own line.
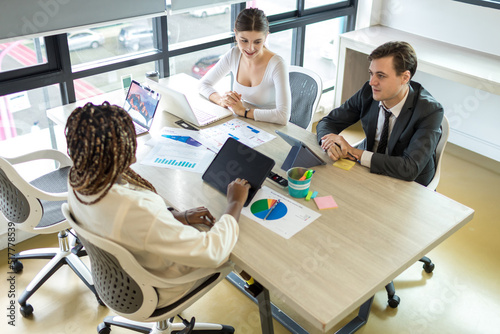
x=458, y=23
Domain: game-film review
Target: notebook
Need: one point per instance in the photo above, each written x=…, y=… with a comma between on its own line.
x=195, y=110
x=141, y=104
x=238, y=160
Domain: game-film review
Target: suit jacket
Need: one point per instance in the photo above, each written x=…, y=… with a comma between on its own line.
x=413, y=140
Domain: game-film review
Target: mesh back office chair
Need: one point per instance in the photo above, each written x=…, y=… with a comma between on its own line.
x=428, y=266
x=130, y=290
x=36, y=208
x=306, y=88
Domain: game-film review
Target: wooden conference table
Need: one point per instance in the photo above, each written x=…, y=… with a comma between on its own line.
x=337, y=263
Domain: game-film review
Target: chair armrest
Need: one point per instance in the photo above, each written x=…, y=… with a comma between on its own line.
x=50, y=154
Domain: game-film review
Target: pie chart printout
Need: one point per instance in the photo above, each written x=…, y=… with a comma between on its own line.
x=261, y=208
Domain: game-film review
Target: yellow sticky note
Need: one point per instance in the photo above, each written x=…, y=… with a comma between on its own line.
x=345, y=164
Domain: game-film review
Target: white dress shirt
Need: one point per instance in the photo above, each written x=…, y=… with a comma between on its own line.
x=366, y=157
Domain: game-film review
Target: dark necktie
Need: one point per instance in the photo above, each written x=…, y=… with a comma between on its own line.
x=382, y=145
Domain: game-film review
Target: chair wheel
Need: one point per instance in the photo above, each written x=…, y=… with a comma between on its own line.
x=102, y=328
x=26, y=310
x=428, y=267
x=394, y=301
x=16, y=266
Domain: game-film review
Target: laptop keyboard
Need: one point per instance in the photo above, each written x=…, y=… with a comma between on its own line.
x=139, y=129
x=203, y=116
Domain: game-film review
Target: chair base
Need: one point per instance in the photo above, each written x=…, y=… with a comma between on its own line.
x=153, y=327
x=393, y=299
x=68, y=253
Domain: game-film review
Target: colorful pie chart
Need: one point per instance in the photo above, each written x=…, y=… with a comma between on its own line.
x=261, y=208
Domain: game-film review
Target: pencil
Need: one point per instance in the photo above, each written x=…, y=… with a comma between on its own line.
x=272, y=208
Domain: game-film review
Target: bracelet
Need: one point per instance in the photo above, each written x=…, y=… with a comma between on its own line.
x=246, y=112
x=186, y=217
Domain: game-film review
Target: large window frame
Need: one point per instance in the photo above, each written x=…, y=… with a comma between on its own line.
x=58, y=69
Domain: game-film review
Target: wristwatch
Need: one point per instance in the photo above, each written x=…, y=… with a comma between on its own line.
x=246, y=112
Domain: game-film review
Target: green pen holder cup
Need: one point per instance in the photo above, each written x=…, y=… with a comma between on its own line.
x=296, y=188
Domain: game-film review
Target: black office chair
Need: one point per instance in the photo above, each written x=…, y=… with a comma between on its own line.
x=130, y=290
x=35, y=207
x=428, y=266
x=306, y=88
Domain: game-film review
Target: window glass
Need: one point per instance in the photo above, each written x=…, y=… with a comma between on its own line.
x=321, y=48
x=110, y=81
x=197, y=24
x=89, y=45
x=273, y=7
x=281, y=44
x=197, y=64
x=22, y=53
x=24, y=126
x=318, y=3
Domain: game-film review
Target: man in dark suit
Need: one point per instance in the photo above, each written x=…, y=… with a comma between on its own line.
x=404, y=145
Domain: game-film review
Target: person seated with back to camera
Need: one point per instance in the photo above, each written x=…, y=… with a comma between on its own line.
x=261, y=83
x=108, y=198
x=413, y=127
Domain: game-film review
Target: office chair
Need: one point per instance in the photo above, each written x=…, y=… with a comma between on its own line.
x=428, y=266
x=130, y=290
x=306, y=88
x=36, y=208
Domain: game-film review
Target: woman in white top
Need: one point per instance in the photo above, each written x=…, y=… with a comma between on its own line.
x=261, y=84
x=108, y=198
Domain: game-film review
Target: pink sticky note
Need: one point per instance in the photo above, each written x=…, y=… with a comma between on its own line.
x=325, y=202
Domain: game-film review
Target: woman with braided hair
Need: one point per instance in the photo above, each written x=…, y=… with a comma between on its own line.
x=108, y=198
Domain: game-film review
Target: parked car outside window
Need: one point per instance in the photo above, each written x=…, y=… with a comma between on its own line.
x=136, y=37
x=210, y=11
x=203, y=65
x=85, y=39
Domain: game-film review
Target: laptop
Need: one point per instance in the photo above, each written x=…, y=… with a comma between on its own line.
x=141, y=104
x=300, y=154
x=238, y=160
x=196, y=110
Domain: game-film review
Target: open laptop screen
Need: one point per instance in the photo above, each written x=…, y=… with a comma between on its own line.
x=141, y=103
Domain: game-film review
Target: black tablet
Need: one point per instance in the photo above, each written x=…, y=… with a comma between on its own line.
x=238, y=160
x=300, y=154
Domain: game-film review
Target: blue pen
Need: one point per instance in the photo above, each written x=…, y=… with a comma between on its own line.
x=272, y=208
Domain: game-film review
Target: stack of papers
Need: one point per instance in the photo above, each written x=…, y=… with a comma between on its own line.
x=194, y=150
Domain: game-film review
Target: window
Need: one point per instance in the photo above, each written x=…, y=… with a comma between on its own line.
x=24, y=126
x=22, y=53
x=38, y=74
x=485, y=3
x=274, y=7
x=322, y=48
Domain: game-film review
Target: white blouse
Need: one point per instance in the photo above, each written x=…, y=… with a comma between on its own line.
x=139, y=220
x=271, y=98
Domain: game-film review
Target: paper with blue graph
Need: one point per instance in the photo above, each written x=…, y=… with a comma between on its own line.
x=178, y=151
x=214, y=137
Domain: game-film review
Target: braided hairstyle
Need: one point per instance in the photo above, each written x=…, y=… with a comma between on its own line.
x=102, y=144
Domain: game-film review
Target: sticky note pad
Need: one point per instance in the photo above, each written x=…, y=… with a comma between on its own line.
x=325, y=202
x=345, y=164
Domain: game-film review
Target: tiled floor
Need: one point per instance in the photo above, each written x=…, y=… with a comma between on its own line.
x=462, y=296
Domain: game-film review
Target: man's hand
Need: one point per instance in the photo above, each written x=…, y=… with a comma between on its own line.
x=338, y=148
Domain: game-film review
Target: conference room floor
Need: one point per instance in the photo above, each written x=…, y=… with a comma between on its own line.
x=461, y=296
